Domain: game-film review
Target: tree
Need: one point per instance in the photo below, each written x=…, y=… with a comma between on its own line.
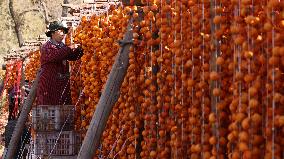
x=16, y=21
x=17, y=18
x=23, y=20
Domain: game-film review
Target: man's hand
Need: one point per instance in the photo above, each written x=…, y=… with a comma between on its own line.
x=70, y=31
x=74, y=46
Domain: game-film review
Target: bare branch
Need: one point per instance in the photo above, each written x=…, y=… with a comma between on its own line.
x=29, y=10
x=45, y=12
x=16, y=22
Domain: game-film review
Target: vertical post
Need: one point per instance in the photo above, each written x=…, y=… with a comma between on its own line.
x=65, y=8
x=22, y=84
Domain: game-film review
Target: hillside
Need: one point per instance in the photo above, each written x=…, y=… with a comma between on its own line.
x=30, y=15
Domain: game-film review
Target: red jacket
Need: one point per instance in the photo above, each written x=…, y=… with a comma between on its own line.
x=54, y=83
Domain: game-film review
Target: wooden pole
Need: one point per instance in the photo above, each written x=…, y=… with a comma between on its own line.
x=22, y=84
x=17, y=133
x=108, y=98
x=65, y=9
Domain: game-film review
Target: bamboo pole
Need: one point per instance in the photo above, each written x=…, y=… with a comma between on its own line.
x=17, y=133
x=22, y=84
x=108, y=98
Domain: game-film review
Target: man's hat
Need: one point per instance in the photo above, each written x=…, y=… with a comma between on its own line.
x=54, y=26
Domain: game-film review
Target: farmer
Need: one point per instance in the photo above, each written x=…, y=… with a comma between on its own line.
x=54, y=84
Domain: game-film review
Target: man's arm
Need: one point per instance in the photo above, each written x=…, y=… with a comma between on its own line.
x=76, y=54
x=54, y=54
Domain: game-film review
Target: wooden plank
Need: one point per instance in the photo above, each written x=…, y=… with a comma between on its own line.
x=17, y=133
x=108, y=98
